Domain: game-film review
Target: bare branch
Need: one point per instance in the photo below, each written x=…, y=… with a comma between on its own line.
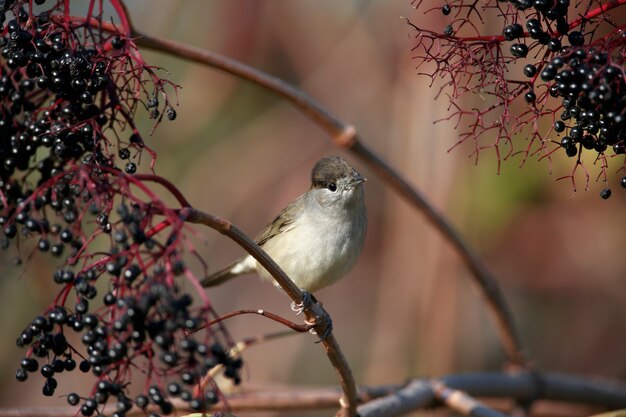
x=462, y=403
x=525, y=386
x=275, y=317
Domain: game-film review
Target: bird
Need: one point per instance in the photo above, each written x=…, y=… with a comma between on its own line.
x=318, y=237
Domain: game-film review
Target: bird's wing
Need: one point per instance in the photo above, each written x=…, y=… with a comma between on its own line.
x=241, y=266
x=284, y=222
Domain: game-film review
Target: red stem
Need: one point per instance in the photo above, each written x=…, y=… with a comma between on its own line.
x=297, y=327
x=500, y=38
x=167, y=184
x=597, y=11
x=120, y=9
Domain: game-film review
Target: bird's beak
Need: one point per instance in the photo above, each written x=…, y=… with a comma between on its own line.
x=357, y=179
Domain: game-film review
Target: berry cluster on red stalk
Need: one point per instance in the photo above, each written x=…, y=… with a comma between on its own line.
x=552, y=83
x=69, y=89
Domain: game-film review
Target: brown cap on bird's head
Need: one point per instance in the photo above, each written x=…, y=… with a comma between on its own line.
x=330, y=169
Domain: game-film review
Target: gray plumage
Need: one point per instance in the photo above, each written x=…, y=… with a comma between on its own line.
x=318, y=237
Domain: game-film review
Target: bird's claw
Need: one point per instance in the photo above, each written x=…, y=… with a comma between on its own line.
x=327, y=324
x=307, y=302
x=324, y=319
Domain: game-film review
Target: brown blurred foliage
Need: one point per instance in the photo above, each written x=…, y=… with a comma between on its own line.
x=408, y=308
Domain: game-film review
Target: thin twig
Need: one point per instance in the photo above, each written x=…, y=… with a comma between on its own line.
x=275, y=317
x=314, y=313
x=345, y=136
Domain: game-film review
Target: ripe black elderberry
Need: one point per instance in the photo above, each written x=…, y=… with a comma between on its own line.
x=519, y=50
x=21, y=375
x=530, y=70
x=554, y=45
x=605, y=193
x=559, y=126
x=576, y=38
x=73, y=399
x=130, y=168
x=513, y=31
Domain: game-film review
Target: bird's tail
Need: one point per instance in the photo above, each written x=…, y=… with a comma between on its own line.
x=239, y=267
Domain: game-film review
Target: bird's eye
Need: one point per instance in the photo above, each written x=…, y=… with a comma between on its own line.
x=332, y=187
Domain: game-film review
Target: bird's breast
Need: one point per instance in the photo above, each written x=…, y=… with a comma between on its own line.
x=318, y=250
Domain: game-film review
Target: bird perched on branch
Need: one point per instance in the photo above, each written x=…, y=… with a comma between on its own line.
x=318, y=237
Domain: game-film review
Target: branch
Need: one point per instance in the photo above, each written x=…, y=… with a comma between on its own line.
x=597, y=11
x=166, y=184
x=396, y=400
x=279, y=399
x=313, y=314
x=462, y=403
x=275, y=317
x=345, y=136
x=421, y=393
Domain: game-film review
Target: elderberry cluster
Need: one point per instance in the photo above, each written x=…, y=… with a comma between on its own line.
x=145, y=326
x=55, y=99
x=586, y=75
x=552, y=33
x=60, y=93
x=66, y=93
x=593, y=100
x=30, y=220
x=41, y=68
x=143, y=319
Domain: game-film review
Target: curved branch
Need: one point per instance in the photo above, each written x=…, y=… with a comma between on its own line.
x=313, y=313
x=345, y=136
x=182, y=200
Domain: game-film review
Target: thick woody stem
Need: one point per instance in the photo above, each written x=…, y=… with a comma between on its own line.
x=346, y=137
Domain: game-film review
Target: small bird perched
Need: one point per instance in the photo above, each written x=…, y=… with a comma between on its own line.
x=318, y=237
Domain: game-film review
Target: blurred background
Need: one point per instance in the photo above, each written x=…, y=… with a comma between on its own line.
x=409, y=307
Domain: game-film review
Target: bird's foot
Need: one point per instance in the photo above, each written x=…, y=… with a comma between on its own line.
x=325, y=321
x=307, y=301
x=322, y=320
